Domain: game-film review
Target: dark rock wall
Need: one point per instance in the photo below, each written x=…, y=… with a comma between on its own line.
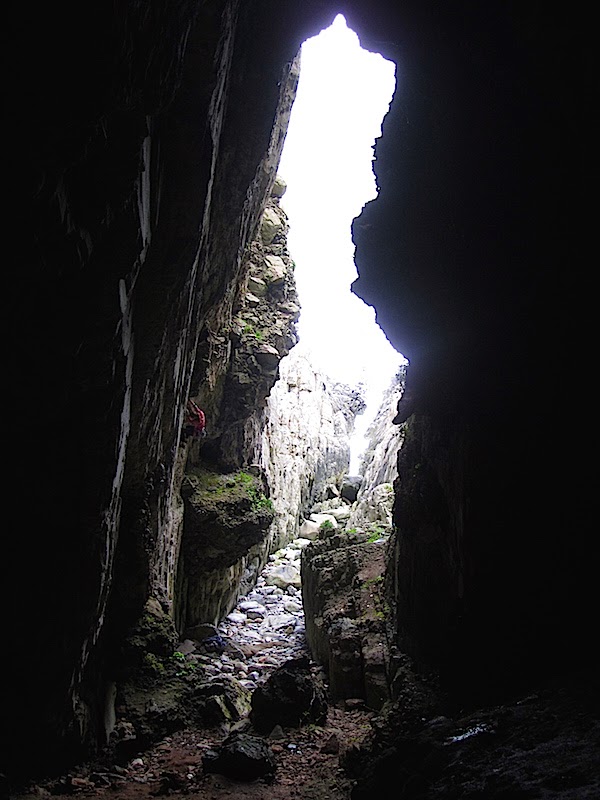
x=143, y=140
x=462, y=255
x=148, y=144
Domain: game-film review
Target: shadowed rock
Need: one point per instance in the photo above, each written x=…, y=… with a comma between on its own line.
x=291, y=696
x=241, y=757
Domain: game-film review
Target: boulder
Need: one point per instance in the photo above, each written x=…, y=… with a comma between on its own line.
x=292, y=695
x=275, y=269
x=270, y=225
x=186, y=647
x=267, y=356
x=350, y=487
x=321, y=518
x=284, y=575
x=241, y=757
x=341, y=514
x=279, y=187
x=200, y=632
x=222, y=700
x=256, y=286
x=309, y=530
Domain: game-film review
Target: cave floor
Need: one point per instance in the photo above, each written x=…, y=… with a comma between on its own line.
x=545, y=745
x=308, y=768
x=308, y=758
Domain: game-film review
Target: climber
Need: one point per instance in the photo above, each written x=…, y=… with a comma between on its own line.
x=195, y=422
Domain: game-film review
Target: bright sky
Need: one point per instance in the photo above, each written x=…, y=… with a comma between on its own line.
x=343, y=94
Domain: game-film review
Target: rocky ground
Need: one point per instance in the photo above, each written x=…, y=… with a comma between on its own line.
x=543, y=744
x=263, y=632
x=307, y=768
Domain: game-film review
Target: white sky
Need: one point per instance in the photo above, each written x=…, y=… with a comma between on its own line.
x=343, y=94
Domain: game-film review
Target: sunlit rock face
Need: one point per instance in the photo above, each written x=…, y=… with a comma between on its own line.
x=305, y=443
x=379, y=463
x=278, y=422
x=226, y=535
x=262, y=332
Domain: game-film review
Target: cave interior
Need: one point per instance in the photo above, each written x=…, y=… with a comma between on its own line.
x=144, y=140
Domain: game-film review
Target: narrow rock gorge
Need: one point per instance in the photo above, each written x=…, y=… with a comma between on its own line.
x=149, y=268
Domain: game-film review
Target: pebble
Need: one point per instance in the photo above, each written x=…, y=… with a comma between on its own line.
x=266, y=628
x=236, y=617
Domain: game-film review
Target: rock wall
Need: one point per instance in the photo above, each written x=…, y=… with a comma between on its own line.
x=262, y=332
x=234, y=372
x=275, y=416
x=147, y=175
x=379, y=463
x=461, y=255
x=305, y=442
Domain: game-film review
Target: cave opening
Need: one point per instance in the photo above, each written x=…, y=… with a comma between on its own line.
x=343, y=95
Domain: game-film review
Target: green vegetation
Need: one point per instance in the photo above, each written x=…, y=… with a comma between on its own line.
x=326, y=528
x=230, y=487
x=182, y=667
x=153, y=664
x=375, y=534
x=259, y=500
x=250, y=330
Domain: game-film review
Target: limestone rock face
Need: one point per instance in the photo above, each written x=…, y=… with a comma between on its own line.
x=374, y=499
x=296, y=439
x=305, y=440
x=379, y=463
x=262, y=332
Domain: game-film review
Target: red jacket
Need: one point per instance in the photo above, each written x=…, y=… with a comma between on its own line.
x=196, y=417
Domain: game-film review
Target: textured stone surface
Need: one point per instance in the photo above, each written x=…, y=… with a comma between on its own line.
x=260, y=335
x=305, y=439
x=342, y=589
x=241, y=757
x=227, y=523
x=292, y=696
x=140, y=213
